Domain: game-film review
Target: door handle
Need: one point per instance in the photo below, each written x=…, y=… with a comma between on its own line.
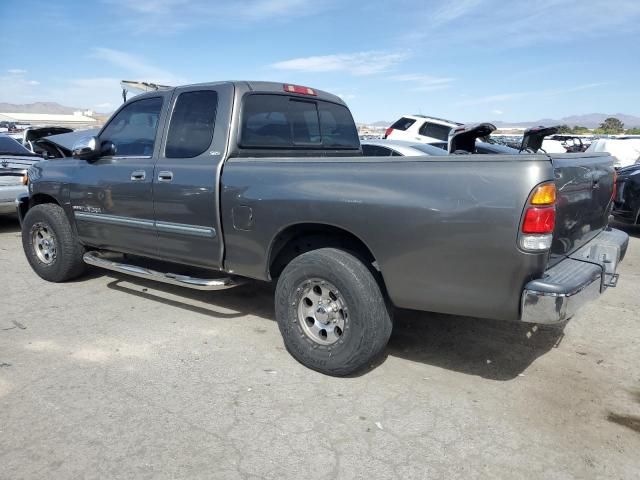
x=165, y=176
x=138, y=175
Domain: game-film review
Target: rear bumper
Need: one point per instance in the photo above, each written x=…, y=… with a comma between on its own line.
x=578, y=279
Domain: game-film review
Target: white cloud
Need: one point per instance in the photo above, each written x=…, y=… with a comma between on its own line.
x=16, y=71
x=359, y=63
x=453, y=9
x=507, y=97
x=135, y=67
x=497, y=112
x=424, y=83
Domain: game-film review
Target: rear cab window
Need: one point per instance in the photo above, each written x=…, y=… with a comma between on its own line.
x=192, y=123
x=403, y=124
x=275, y=121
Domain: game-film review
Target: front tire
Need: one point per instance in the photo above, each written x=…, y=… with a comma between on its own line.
x=50, y=244
x=331, y=312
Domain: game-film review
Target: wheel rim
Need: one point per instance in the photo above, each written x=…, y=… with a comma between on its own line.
x=44, y=243
x=322, y=312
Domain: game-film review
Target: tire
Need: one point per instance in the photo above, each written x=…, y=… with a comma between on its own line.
x=46, y=228
x=347, y=301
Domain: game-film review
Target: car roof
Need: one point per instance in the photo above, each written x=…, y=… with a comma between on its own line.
x=441, y=121
x=409, y=149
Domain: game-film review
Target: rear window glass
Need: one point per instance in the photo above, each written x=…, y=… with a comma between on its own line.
x=279, y=121
x=403, y=123
x=433, y=130
x=429, y=149
x=191, y=127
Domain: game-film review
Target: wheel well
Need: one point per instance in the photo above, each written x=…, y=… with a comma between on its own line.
x=40, y=198
x=298, y=239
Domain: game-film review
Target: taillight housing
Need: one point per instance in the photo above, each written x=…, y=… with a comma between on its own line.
x=539, y=218
x=387, y=132
x=614, y=191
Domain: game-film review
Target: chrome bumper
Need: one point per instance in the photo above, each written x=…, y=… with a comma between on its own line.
x=576, y=280
x=8, y=194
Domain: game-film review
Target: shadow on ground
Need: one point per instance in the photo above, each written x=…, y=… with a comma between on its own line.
x=633, y=230
x=9, y=224
x=490, y=349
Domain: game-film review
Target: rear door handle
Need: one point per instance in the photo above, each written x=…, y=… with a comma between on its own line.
x=165, y=176
x=138, y=175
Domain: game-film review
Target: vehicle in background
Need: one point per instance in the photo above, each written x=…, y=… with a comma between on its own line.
x=420, y=128
x=31, y=135
x=476, y=139
x=626, y=207
x=570, y=142
x=398, y=148
x=61, y=146
x=15, y=160
x=225, y=181
x=625, y=151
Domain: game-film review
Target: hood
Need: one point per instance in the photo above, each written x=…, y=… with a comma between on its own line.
x=33, y=134
x=534, y=136
x=463, y=139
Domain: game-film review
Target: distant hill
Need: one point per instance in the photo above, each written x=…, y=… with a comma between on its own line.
x=38, y=107
x=589, y=120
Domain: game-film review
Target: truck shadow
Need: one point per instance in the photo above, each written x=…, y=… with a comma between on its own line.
x=9, y=224
x=490, y=349
x=632, y=230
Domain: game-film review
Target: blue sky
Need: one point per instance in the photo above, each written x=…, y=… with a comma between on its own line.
x=468, y=60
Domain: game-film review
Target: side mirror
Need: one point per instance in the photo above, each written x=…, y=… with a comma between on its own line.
x=86, y=148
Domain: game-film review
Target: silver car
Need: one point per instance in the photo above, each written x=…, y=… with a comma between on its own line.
x=399, y=148
x=15, y=160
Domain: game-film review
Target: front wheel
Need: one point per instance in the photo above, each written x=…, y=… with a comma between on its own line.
x=50, y=244
x=331, y=312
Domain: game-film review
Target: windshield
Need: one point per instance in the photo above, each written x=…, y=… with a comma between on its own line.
x=9, y=146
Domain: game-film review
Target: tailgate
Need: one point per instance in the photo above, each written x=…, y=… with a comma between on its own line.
x=584, y=183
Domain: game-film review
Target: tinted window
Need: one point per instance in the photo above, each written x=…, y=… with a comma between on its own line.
x=191, y=127
x=495, y=148
x=133, y=130
x=433, y=130
x=278, y=121
x=375, y=151
x=10, y=146
x=403, y=123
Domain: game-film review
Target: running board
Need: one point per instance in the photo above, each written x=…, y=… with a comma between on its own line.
x=97, y=259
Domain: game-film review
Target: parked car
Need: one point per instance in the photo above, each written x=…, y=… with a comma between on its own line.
x=476, y=138
x=420, y=128
x=625, y=151
x=398, y=148
x=267, y=181
x=627, y=199
x=570, y=142
x=61, y=145
x=14, y=163
x=31, y=135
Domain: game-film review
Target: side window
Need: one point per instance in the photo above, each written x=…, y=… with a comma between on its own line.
x=433, y=130
x=133, y=130
x=192, y=122
x=403, y=124
x=376, y=151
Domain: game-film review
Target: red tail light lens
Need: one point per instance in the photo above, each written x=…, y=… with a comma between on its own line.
x=615, y=185
x=539, y=220
x=388, y=132
x=299, y=89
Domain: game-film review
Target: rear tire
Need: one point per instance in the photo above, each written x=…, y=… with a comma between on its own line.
x=50, y=244
x=331, y=312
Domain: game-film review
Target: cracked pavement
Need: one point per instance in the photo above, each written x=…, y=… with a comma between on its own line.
x=114, y=377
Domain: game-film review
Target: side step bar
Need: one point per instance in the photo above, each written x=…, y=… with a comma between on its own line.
x=97, y=259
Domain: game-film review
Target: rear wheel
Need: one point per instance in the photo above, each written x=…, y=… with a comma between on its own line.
x=331, y=312
x=50, y=244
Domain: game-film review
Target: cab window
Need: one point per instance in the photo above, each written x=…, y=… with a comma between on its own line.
x=132, y=131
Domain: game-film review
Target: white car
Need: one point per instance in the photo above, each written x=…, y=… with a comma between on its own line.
x=420, y=128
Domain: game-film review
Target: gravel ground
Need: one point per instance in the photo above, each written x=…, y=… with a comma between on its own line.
x=114, y=377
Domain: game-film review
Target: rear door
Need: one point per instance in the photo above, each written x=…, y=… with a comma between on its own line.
x=186, y=178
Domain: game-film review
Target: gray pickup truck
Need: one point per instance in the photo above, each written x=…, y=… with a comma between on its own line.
x=224, y=181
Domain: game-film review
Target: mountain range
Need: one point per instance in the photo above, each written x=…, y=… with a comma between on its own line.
x=589, y=120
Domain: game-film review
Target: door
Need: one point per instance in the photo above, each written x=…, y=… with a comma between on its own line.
x=112, y=199
x=187, y=176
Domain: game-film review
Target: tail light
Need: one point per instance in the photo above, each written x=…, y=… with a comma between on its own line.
x=614, y=191
x=388, y=132
x=299, y=89
x=536, y=232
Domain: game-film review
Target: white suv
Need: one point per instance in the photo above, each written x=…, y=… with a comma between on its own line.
x=420, y=128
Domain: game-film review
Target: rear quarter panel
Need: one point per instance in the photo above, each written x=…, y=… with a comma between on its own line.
x=442, y=229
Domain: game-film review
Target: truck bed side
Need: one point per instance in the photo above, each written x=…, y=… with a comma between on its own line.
x=443, y=230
